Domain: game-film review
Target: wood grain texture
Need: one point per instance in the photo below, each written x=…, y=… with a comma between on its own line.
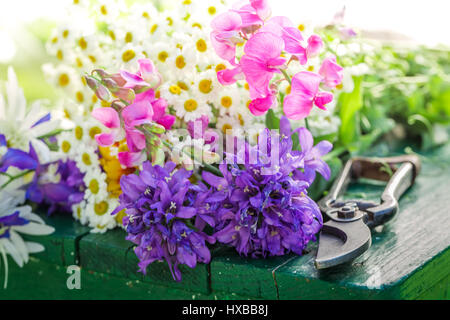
x=417, y=236
x=61, y=247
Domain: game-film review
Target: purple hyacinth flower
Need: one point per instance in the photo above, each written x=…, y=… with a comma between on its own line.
x=165, y=219
x=268, y=212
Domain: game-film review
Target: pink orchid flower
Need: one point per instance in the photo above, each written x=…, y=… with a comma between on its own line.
x=110, y=119
x=229, y=76
x=304, y=95
x=331, y=72
x=293, y=39
x=225, y=35
x=259, y=106
x=147, y=76
x=260, y=61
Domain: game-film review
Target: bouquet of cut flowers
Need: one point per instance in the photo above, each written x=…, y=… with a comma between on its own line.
x=186, y=127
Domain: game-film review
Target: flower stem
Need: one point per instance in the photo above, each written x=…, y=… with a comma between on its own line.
x=12, y=178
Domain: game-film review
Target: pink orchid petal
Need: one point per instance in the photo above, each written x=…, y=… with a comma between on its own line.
x=137, y=113
x=147, y=95
x=132, y=80
x=230, y=76
x=131, y=159
x=107, y=116
x=223, y=48
x=323, y=98
x=166, y=121
x=135, y=140
x=264, y=44
x=306, y=83
x=260, y=106
x=262, y=8
x=105, y=139
x=227, y=21
x=257, y=75
x=331, y=72
x=315, y=45
x=296, y=106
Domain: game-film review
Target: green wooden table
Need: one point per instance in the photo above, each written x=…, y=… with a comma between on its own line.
x=409, y=259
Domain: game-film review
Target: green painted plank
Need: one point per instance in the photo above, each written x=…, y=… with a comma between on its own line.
x=105, y=253
x=60, y=246
x=244, y=276
x=417, y=235
x=195, y=280
x=49, y=281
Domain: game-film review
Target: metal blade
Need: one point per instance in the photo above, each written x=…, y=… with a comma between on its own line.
x=341, y=242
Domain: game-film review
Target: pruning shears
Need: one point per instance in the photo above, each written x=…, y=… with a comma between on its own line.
x=346, y=235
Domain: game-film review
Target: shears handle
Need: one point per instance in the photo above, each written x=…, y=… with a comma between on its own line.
x=382, y=169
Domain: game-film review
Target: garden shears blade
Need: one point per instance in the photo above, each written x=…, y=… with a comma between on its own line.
x=346, y=235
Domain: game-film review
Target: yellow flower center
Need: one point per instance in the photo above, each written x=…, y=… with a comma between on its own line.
x=82, y=43
x=273, y=233
x=65, y=146
x=205, y=86
x=301, y=27
x=128, y=37
x=179, y=62
x=175, y=89
x=201, y=45
x=63, y=80
x=196, y=25
x=65, y=33
x=241, y=119
x=79, y=213
x=55, y=40
x=212, y=10
x=119, y=216
x=288, y=89
x=103, y=10
x=226, y=101
x=226, y=127
x=128, y=55
x=339, y=86
x=92, y=58
x=59, y=55
x=93, y=186
x=101, y=208
x=246, y=86
x=86, y=158
x=153, y=29
x=79, y=63
x=80, y=97
x=94, y=131
x=169, y=20
x=162, y=56
x=112, y=35
x=78, y=132
x=182, y=85
x=145, y=15
x=311, y=68
x=190, y=105
x=158, y=94
x=220, y=67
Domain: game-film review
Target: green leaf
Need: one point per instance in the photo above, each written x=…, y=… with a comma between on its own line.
x=272, y=121
x=350, y=104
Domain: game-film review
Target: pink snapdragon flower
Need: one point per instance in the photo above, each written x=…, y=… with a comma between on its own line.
x=260, y=61
x=304, y=95
x=331, y=72
x=110, y=119
x=147, y=76
x=259, y=106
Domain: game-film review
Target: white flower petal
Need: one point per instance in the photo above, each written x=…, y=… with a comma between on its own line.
x=12, y=251
x=35, y=229
x=19, y=244
x=34, y=247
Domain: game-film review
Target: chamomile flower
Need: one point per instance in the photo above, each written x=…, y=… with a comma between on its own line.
x=86, y=158
x=99, y=214
x=79, y=212
x=190, y=108
x=95, y=181
x=228, y=101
